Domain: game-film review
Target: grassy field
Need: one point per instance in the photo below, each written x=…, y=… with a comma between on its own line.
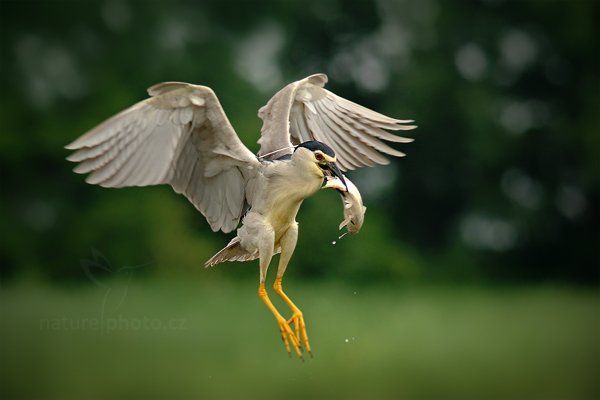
x=179, y=340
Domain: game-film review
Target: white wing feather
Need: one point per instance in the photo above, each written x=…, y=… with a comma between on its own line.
x=304, y=110
x=179, y=136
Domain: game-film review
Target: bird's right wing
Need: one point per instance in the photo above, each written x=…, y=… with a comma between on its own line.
x=179, y=136
x=304, y=110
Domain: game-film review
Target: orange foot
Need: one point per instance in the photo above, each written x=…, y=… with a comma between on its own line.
x=287, y=335
x=297, y=318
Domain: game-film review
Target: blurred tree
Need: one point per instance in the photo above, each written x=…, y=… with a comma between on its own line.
x=502, y=183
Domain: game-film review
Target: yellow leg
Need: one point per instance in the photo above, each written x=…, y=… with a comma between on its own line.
x=287, y=335
x=297, y=318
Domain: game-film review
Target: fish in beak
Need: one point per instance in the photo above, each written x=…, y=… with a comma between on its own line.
x=354, y=210
x=334, y=172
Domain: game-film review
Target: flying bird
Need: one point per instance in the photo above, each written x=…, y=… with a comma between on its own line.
x=181, y=136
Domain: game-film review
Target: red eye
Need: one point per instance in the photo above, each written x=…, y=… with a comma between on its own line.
x=319, y=156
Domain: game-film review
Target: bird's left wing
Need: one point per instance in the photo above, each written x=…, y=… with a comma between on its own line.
x=179, y=136
x=304, y=110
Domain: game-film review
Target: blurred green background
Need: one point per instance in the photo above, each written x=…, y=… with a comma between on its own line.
x=475, y=275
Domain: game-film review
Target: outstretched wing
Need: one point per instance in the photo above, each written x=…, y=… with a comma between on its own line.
x=304, y=111
x=179, y=136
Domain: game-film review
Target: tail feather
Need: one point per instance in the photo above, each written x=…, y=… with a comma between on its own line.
x=232, y=252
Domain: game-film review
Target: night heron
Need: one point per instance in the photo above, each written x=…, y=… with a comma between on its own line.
x=181, y=136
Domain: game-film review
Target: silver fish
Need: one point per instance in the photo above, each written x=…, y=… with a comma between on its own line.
x=354, y=210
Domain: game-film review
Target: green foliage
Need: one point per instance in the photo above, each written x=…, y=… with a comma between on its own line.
x=502, y=183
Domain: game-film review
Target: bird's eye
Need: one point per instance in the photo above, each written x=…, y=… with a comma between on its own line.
x=319, y=156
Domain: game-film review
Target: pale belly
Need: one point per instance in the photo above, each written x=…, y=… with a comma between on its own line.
x=274, y=214
x=282, y=217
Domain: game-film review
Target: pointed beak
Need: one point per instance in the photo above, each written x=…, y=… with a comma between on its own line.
x=335, y=171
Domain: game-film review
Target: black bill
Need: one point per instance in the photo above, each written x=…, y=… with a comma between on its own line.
x=335, y=171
